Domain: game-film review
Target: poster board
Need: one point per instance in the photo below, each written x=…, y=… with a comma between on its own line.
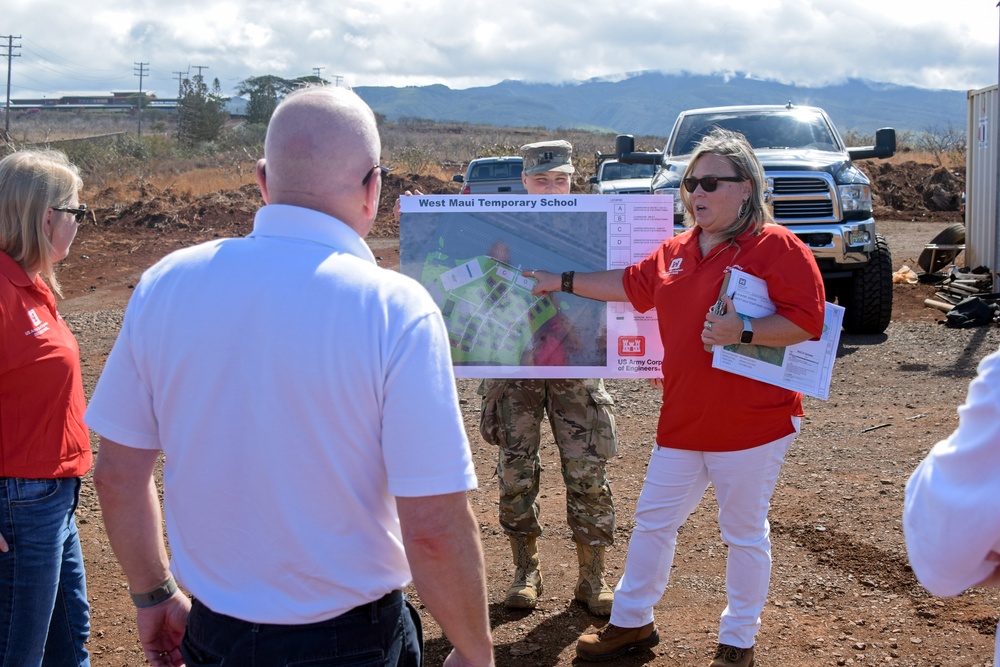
x=469, y=252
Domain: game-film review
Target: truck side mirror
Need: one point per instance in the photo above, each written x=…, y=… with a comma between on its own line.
x=458, y=178
x=885, y=139
x=624, y=143
x=885, y=146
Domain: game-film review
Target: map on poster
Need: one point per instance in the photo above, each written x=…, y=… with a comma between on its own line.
x=470, y=253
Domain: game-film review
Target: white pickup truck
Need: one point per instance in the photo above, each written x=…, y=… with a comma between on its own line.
x=616, y=178
x=493, y=175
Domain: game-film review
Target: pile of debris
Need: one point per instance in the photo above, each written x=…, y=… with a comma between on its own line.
x=964, y=296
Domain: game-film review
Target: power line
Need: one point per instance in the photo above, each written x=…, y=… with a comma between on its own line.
x=10, y=62
x=180, y=83
x=140, y=72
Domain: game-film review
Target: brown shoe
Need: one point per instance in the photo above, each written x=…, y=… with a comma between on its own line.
x=611, y=641
x=730, y=656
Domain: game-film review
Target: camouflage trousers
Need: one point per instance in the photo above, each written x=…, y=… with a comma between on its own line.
x=583, y=423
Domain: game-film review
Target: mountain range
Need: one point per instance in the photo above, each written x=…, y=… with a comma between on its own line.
x=646, y=103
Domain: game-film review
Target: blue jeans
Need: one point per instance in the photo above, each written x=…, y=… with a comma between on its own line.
x=383, y=633
x=44, y=615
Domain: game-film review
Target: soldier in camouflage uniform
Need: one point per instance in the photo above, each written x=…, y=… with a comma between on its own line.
x=583, y=424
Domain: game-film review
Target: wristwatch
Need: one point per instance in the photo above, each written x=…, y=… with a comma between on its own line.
x=747, y=336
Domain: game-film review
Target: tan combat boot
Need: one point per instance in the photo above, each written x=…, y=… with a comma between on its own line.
x=591, y=589
x=527, y=586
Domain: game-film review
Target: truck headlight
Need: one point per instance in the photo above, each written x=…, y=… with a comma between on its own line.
x=855, y=197
x=676, y=193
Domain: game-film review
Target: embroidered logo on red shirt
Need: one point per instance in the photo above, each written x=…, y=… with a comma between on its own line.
x=38, y=326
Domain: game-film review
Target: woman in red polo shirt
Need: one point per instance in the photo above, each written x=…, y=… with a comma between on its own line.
x=715, y=427
x=44, y=445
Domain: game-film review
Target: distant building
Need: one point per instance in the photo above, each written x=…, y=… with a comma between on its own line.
x=115, y=101
x=123, y=101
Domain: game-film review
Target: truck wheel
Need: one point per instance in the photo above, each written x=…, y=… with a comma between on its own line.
x=867, y=298
x=950, y=235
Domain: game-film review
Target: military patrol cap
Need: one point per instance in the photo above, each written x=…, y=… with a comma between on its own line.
x=547, y=156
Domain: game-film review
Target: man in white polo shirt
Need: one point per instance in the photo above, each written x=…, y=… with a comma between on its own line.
x=315, y=456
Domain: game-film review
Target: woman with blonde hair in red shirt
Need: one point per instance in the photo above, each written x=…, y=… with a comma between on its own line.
x=44, y=445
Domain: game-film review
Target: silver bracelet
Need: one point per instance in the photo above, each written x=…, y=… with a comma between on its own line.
x=155, y=596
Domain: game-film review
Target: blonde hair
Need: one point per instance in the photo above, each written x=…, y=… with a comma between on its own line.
x=30, y=183
x=734, y=146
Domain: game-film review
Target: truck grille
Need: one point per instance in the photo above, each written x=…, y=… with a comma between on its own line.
x=799, y=198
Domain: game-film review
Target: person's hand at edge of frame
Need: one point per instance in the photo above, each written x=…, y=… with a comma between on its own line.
x=993, y=580
x=4, y=547
x=395, y=207
x=161, y=629
x=545, y=281
x=454, y=659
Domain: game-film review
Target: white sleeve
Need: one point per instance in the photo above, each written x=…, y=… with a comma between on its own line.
x=951, y=517
x=121, y=408
x=424, y=445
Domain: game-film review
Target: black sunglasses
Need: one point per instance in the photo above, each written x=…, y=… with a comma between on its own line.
x=78, y=213
x=709, y=183
x=385, y=171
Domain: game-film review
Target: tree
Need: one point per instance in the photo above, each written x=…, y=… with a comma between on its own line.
x=950, y=141
x=201, y=112
x=264, y=93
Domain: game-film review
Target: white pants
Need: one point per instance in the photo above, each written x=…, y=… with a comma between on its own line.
x=675, y=483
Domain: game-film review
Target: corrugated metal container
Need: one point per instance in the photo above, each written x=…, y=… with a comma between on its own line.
x=981, y=222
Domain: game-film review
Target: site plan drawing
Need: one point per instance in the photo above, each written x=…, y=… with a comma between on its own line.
x=470, y=253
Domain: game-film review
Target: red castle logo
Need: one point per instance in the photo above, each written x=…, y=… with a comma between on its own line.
x=631, y=346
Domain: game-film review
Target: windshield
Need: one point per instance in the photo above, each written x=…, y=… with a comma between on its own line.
x=617, y=171
x=798, y=129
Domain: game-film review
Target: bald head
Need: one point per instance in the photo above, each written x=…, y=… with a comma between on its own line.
x=320, y=143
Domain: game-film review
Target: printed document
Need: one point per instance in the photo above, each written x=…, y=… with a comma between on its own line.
x=806, y=367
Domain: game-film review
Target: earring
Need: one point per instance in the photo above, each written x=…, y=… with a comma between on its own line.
x=744, y=207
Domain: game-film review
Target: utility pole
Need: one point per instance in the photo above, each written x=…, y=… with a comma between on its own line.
x=337, y=79
x=10, y=59
x=199, y=68
x=140, y=71
x=318, y=71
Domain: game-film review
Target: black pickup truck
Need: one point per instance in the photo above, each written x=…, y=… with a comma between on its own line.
x=817, y=192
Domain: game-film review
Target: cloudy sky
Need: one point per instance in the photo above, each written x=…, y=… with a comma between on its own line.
x=71, y=46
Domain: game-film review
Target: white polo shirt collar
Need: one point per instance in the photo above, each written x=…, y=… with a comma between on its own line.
x=294, y=222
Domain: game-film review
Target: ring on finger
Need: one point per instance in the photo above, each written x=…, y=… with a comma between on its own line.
x=708, y=326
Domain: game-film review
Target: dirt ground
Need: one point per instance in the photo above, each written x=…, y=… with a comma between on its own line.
x=842, y=592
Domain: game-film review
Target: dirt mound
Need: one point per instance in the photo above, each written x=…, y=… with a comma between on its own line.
x=917, y=191
x=140, y=206
x=905, y=190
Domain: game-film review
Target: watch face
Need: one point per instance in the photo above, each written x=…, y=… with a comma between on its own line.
x=747, y=336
